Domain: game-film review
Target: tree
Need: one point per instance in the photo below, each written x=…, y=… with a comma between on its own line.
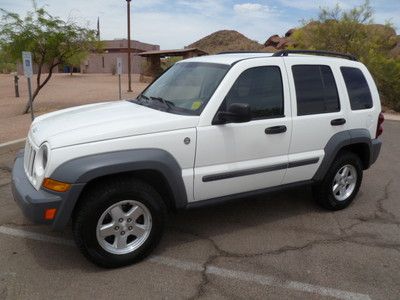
x=5, y=65
x=353, y=32
x=51, y=40
x=75, y=60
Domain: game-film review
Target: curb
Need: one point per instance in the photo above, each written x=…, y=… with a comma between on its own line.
x=12, y=145
x=391, y=117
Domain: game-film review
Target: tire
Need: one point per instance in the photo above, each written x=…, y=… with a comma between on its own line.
x=324, y=193
x=100, y=212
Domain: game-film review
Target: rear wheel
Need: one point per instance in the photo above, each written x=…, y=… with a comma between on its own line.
x=119, y=222
x=341, y=183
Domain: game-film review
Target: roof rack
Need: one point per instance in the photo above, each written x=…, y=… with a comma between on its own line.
x=238, y=52
x=315, y=52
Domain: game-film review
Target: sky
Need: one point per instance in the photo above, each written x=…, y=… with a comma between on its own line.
x=177, y=23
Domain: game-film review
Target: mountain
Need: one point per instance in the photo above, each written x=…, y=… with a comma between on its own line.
x=227, y=40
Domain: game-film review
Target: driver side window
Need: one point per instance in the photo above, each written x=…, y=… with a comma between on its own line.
x=261, y=88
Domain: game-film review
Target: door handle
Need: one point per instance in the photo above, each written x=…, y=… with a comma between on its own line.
x=275, y=129
x=338, y=122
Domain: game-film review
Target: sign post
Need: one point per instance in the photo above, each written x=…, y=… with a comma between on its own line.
x=119, y=72
x=16, y=88
x=28, y=72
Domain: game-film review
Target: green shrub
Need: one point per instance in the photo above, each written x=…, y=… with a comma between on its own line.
x=353, y=32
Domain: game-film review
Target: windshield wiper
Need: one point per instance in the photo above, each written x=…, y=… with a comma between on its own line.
x=142, y=96
x=167, y=103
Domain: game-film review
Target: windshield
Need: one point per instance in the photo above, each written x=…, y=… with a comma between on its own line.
x=185, y=87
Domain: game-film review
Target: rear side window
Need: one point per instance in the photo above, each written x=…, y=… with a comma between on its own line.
x=357, y=88
x=316, y=90
x=261, y=88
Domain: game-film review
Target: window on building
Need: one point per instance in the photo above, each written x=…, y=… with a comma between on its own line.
x=102, y=61
x=316, y=90
x=262, y=89
x=357, y=88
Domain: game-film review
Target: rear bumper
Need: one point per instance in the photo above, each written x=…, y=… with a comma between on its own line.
x=33, y=203
x=376, y=145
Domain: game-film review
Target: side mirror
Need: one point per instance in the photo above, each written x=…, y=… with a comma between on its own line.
x=236, y=113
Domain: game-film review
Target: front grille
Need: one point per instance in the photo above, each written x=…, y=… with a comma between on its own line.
x=29, y=158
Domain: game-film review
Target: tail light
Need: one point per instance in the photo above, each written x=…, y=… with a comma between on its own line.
x=379, y=127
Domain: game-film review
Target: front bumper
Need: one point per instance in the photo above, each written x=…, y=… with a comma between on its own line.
x=33, y=203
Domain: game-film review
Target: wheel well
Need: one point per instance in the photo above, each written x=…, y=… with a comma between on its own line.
x=151, y=177
x=360, y=149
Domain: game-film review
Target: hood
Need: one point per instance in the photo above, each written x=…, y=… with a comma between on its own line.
x=108, y=120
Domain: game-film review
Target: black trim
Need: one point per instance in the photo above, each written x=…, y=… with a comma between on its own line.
x=233, y=174
x=303, y=162
x=229, y=198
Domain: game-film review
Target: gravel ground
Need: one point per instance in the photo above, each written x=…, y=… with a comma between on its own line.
x=62, y=91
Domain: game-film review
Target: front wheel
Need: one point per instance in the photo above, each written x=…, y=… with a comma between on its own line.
x=341, y=183
x=119, y=222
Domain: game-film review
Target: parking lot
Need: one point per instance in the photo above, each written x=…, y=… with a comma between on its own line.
x=276, y=246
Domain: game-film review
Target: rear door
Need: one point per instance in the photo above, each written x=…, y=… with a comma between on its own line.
x=317, y=113
x=240, y=157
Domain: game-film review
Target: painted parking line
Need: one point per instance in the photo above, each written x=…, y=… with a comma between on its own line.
x=211, y=270
x=35, y=236
x=11, y=143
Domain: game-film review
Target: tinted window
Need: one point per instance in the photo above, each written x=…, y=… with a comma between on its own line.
x=316, y=90
x=262, y=89
x=357, y=88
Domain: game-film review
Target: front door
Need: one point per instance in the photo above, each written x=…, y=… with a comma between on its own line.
x=234, y=158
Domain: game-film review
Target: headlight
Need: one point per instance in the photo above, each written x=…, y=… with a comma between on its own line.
x=41, y=160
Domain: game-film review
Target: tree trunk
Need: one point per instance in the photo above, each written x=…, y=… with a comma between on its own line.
x=39, y=85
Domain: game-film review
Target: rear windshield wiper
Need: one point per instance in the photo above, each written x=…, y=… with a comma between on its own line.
x=167, y=103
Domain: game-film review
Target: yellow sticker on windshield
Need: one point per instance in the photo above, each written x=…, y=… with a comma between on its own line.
x=196, y=105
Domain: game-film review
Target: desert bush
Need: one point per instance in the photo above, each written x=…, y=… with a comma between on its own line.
x=6, y=64
x=353, y=32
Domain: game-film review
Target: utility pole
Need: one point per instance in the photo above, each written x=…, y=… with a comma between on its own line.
x=129, y=45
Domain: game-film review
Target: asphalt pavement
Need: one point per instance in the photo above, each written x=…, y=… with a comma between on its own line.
x=278, y=246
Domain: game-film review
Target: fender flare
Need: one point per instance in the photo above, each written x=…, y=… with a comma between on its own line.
x=337, y=142
x=81, y=170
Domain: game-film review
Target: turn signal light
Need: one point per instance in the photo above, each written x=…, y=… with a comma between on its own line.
x=55, y=185
x=50, y=213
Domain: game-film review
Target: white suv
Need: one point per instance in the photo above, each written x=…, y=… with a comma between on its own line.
x=209, y=129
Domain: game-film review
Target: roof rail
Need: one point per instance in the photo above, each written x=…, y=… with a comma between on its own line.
x=244, y=51
x=315, y=52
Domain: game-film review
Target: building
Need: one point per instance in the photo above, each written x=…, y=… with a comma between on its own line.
x=154, y=58
x=106, y=62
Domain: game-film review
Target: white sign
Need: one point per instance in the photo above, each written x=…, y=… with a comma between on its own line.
x=119, y=65
x=27, y=64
